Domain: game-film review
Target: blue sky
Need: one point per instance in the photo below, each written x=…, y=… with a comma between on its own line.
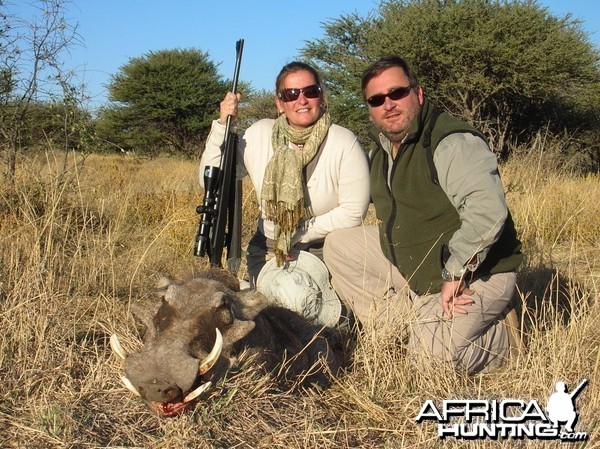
x=113, y=31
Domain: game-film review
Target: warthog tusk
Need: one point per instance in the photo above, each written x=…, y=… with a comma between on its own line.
x=197, y=392
x=129, y=385
x=211, y=358
x=115, y=344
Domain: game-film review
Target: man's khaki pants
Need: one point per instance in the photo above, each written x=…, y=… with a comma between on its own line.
x=379, y=297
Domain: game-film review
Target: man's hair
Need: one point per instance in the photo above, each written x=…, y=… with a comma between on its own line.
x=382, y=64
x=292, y=67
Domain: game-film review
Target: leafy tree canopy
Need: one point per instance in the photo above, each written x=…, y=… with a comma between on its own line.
x=510, y=68
x=256, y=106
x=163, y=101
x=60, y=125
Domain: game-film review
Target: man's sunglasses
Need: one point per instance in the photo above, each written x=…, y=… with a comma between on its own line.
x=395, y=94
x=292, y=94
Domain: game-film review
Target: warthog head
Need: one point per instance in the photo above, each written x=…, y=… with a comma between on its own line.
x=197, y=325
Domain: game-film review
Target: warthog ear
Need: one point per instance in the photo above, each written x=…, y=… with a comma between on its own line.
x=248, y=304
x=224, y=277
x=163, y=283
x=162, y=286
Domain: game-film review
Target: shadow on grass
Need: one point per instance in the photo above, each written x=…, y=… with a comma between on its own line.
x=548, y=297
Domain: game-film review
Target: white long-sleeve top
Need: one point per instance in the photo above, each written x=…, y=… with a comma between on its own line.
x=338, y=189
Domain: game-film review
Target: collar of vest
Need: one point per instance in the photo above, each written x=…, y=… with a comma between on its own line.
x=414, y=134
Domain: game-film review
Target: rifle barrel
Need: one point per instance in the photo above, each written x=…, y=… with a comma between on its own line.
x=577, y=390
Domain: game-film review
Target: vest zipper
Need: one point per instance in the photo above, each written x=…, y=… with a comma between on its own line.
x=392, y=219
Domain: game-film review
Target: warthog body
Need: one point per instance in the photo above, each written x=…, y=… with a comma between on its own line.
x=183, y=352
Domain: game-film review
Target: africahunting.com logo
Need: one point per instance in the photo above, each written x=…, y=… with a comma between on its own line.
x=473, y=419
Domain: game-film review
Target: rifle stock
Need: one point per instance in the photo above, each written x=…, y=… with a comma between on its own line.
x=220, y=222
x=234, y=253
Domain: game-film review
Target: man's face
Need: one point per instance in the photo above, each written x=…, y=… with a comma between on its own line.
x=393, y=117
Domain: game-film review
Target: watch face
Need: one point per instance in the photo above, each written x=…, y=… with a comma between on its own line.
x=446, y=276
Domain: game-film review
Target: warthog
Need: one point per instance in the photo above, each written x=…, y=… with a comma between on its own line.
x=198, y=326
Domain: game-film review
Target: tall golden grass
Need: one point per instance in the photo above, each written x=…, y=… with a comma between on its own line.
x=82, y=241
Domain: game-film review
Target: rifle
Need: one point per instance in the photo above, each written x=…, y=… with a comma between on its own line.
x=577, y=390
x=222, y=203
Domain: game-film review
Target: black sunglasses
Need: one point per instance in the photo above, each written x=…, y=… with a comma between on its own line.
x=292, y=94
x=395, y=94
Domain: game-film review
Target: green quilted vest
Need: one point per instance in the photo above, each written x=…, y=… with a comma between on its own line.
x=417, y=219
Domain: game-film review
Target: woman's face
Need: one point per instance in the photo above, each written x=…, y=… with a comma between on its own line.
x=302, y=112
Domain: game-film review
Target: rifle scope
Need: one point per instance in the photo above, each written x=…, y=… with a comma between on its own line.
x=207, y=210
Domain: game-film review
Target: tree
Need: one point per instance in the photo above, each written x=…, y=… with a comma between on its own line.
x=30, y=68
x=256, y=106
x=60, y=125
x=509, y=68
x=163, y=101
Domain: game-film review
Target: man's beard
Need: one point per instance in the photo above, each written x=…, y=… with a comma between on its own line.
x=397, y=136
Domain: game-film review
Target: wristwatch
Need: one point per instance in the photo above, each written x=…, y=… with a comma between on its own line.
x=448, y=277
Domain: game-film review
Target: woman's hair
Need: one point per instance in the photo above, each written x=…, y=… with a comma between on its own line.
x=382, y=64
x=292, y=67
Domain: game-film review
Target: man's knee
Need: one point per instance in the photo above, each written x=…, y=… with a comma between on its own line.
x=485, y=353
x=334, y=237
x=447, y=342
x=334, y=241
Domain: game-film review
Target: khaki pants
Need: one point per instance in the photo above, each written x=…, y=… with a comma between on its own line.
x=379, y=297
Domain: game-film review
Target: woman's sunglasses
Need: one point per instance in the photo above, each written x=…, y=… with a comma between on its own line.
x=292, y=94
x=395, y=94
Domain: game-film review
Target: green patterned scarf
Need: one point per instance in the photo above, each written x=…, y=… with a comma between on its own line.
x=282, y=189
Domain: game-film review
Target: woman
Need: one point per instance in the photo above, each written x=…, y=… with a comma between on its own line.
x=310, y=176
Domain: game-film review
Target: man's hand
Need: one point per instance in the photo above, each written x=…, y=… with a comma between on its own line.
x=454, y=295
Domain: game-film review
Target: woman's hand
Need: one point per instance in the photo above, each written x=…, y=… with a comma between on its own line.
x=454, y=295
x=229, y=107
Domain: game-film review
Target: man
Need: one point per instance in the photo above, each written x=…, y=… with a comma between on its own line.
x=442, y=260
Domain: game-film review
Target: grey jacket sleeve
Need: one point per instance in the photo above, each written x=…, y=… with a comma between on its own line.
x=468, y=173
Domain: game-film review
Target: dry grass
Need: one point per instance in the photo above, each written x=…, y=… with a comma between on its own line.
x=78, y=248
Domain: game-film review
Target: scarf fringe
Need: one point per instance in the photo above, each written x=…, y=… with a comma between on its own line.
x=286, y=218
